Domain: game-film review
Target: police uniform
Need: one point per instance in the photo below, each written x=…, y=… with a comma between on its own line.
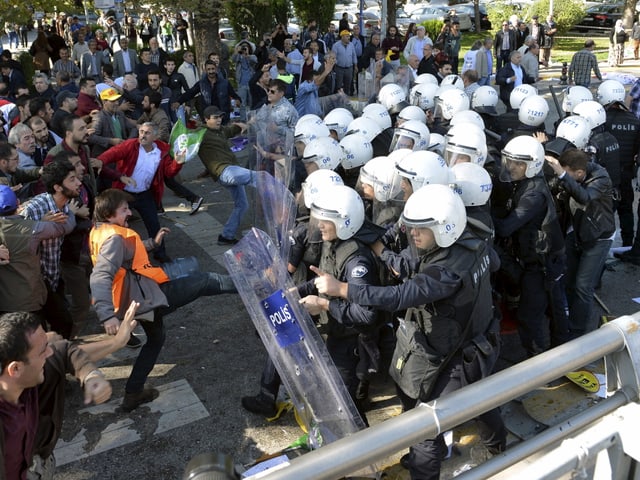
x=450, y=315
x=533, y=243
x=626, y=128
x=350, y=261
x=606, y=152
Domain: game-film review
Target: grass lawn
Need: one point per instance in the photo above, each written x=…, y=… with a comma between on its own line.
x=563, y=50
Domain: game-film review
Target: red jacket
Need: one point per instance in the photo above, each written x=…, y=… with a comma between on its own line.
x=125, y=156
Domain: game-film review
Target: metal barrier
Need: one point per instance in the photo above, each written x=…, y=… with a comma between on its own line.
x=618, y=341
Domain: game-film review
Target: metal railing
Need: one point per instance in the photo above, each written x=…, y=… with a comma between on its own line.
x=618, y=341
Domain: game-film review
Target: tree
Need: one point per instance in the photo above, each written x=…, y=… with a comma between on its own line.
x=319, y=10
x=566, y=12
x=206, y=21
x=629, y=13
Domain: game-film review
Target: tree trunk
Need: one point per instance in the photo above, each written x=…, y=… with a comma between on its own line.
x=391, y=15
x=205, y=29
x=629, y=13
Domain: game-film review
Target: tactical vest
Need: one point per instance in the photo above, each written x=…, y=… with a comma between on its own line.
x=140, y=264
x=444, y=321
x=335, y=256
x=625, y=126
x=607, y=154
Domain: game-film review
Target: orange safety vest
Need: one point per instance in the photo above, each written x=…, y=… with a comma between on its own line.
x=140, y=265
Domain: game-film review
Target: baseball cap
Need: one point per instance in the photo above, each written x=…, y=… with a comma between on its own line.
x=212, y=111
x=63, y=95
x=8, y=200
x=535, y=17
x=109, y=94
x=345, y=32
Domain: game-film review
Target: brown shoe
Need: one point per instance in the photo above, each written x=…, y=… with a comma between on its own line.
x=132, y=401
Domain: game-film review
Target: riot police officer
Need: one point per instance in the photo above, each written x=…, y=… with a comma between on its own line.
x=449, y=315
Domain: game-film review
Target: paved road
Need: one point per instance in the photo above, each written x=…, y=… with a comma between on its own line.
x=211, y=359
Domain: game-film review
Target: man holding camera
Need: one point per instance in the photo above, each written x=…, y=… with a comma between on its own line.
x=245, y=68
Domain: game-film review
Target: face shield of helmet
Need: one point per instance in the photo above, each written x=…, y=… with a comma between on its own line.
x=321, y=227
x=514, y=168
x=403, y=140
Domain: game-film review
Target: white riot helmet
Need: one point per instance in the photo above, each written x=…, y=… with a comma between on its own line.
x=454, y=80
x=309, y=117
x=325, y=152
x=451, y=101
x=338, y=120
x=317, y=182
x=343, y=207
x=310, y=129
x=472, y=182
x=411, y=134
x=396, y=156
x=465, y=142
x=576, y=130
x=365, y=126
x=574, y=96
x=467, y=116
x=357, y=151
x=426, y=78
x=533, y=111
x=412, y=112
x=524, y=149
x=592, y=111
x=485, y=99
x=392, y=97
x=436, y=143
x=519, y=93
x=439, y=209
x=610, y=91
x=423, y=96
x=423, y=168
x=378, y=114
x=379, y=172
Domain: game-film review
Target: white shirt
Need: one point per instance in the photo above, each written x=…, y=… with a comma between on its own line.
x=518, y=73
x=145, y=169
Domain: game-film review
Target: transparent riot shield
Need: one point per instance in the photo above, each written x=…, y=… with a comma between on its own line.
x=274, y=138
x=278, y=210
x=293, y=343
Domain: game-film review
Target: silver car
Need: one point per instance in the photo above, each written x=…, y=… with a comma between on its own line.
x=440, y=12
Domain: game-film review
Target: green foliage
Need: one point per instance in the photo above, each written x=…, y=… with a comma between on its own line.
x=566, y=12
x=320, y=10
x=433, y=28
x=255, y=16
x=29, y=69
x=501, y=11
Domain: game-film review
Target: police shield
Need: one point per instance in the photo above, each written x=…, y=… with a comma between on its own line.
x=290, y=336
x=278, y=207
x=274, y=145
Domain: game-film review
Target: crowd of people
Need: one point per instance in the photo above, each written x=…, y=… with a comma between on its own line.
x=423, y=219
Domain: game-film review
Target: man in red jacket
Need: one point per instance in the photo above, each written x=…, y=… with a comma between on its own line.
x=143, y=164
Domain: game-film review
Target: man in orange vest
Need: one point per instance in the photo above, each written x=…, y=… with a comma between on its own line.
x=122, y=273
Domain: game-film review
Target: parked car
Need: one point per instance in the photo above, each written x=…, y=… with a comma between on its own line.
x=227, y=35
x=468, y=8
x=440, y=12
x=403, y=19
x=601, y=16
x=371, y=20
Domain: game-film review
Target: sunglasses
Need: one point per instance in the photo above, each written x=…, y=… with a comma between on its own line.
x=271, y=90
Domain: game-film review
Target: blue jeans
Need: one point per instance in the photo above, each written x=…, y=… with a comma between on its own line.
x=179, y=292
x=485, y=80
x=584, y=266
x=235, y=178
